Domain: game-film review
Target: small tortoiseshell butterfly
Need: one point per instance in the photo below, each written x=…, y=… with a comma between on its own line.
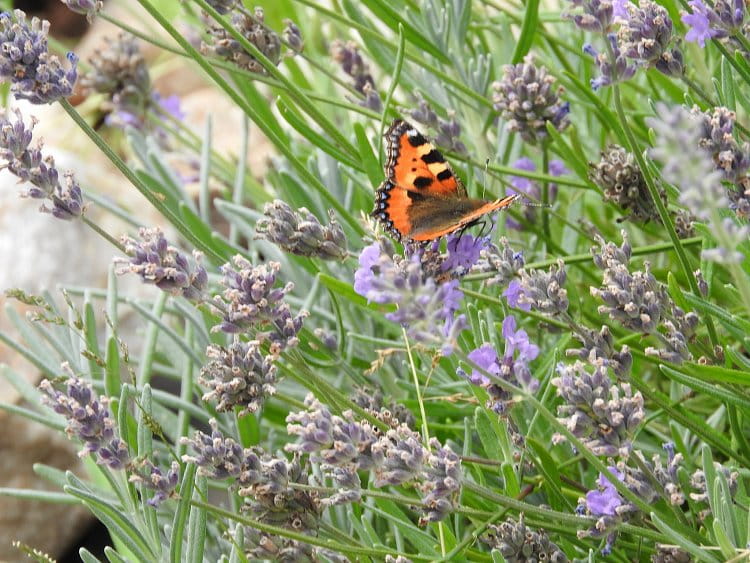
x=421, y=198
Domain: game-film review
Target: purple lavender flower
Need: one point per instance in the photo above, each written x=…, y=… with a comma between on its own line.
x=159, y=263
x=513, y=367
x=169, y=105
x=699, y=22
x=646, y=35
x=222, y=6
x=351, y=61
x=545, y=291
x=219, y=457
x=427, y=309
x=605, y=500
x=463, y=252
x=530, y=188
x=89, y=419
x=513, y=295
x=35, y=74
x=620, y=9
x=30, y=165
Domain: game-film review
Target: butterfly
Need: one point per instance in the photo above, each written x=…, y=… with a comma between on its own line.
x=421, y=197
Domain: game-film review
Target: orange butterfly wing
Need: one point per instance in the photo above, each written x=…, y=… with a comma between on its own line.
x=421, y=198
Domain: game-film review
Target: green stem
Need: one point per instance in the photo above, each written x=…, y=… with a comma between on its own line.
x=104, y=234
x=661, y=208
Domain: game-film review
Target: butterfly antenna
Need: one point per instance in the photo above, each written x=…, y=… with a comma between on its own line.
x=529, y=203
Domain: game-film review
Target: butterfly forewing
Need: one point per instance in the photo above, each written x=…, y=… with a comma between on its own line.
x=421, y=197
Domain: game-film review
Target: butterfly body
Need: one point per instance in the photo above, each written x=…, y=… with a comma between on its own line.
x=422, y=198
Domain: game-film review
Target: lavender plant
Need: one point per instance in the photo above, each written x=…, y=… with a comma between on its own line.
x=565, y=382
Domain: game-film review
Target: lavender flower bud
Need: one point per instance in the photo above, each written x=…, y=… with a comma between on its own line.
x=698, y=482
x=442, y=483
x=252, y=28
x=334, y=441
x=717, y=138
x=89, y=419
x=222, y=6
x=159, y=263
x=610, y=72
x=526, y=98
x=300, y=232
x=599, y=346
x=544, y=291
x=35, y=74
x=238, y=376
x=348, y=56
x=88, y=8
x=266, y=547
x=595, y=15
x=600, y=413
x=293, y=36
x=620, y=178
x=218, y=457
x=517, y=543
x=154, y=479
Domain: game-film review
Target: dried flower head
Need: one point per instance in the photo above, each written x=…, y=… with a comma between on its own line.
x=30, y=165
x=238, y=376
x=599, y=346
x=222, y=6
x=300, y=232
x=89, y=419
x=293, y=36
x=163, y=265
x=25, y=61
x=526, y=97
x=518, y=543
x=621, y=181
x=602, y=414
x=670, y=554
x=252, y=27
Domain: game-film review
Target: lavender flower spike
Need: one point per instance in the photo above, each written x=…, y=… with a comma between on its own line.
x=300, y=232
x=89, y=419
x=602, y=414
x=159, y=263
x=425, y=308
x=30, y=165
x=25, y=61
